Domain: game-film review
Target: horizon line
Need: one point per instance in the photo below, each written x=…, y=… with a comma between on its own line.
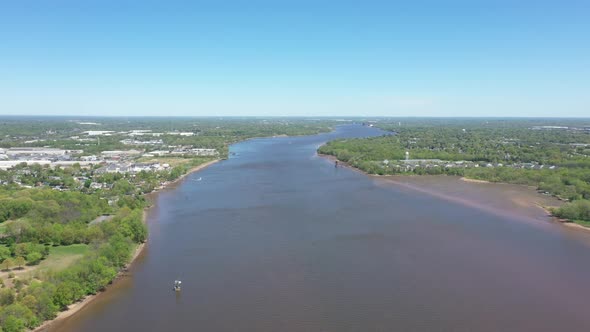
x=297, y=116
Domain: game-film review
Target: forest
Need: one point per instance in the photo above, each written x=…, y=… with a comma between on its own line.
x=35, y=222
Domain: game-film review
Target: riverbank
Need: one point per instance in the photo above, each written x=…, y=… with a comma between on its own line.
x=473, y=180
x=565, y=222
x=342, y=163
x=76, y=307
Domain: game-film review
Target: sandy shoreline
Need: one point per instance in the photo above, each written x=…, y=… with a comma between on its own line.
x=574, y=225
x=564, y=222
x=76, y=307
x=474, y=180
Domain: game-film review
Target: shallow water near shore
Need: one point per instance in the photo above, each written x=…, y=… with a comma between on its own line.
x=278, y=239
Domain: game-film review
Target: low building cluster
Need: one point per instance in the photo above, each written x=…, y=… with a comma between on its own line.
x=140, y=142
x=411, y=164
x=183, y=151
x=137, y=132
x=33, y=155
x=131, y=168
x=114, y=158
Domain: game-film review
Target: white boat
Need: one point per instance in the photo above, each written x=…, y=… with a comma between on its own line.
x=177, y=285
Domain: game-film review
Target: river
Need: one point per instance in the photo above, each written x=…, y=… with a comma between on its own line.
x=277, y=239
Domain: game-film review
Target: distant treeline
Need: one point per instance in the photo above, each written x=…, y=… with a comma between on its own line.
x=214, y=133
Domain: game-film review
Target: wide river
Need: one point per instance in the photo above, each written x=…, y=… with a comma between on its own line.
x=277, y=239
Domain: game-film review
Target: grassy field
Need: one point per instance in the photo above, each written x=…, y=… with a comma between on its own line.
x=63, y=256
x=58, y=259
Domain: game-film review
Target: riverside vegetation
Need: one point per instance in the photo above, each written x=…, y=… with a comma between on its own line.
x=61, y=237
x=551, y=154
x=37, y=220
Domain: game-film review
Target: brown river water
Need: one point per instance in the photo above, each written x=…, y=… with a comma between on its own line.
x=278, y=239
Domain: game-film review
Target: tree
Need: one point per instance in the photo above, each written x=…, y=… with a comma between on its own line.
x=43, y=306
x=577, y=210
x=20, y=262
x=176, y=173
x=4, y=253
x=16, y=229
x=21, y=249
x=44, y=233
x=13, y=324
x=34, y=258
x=94, y=233
x=7, y=264
x=30, y=302
x=67, y=236
x=7, y=296
x=16, y=316
x=45, y=251
x=123, y=187
x=66, y=293
x=18, y=284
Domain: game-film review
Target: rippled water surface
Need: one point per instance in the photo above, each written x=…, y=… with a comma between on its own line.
x=277, y=239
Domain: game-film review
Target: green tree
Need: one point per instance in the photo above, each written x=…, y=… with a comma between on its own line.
x=15, y=316
x=34, y=258
x=7, y=264
x=577, y=210
x=30, y=302
x=20, y=262
x=13, y=324
x=66, y=293
x=4, y=253
x=68, y=236
x=21, y=249
x=43, y=293
x=7, y=296
x=123, y=187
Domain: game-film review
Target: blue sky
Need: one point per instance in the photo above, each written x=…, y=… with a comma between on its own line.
x=381, y=58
